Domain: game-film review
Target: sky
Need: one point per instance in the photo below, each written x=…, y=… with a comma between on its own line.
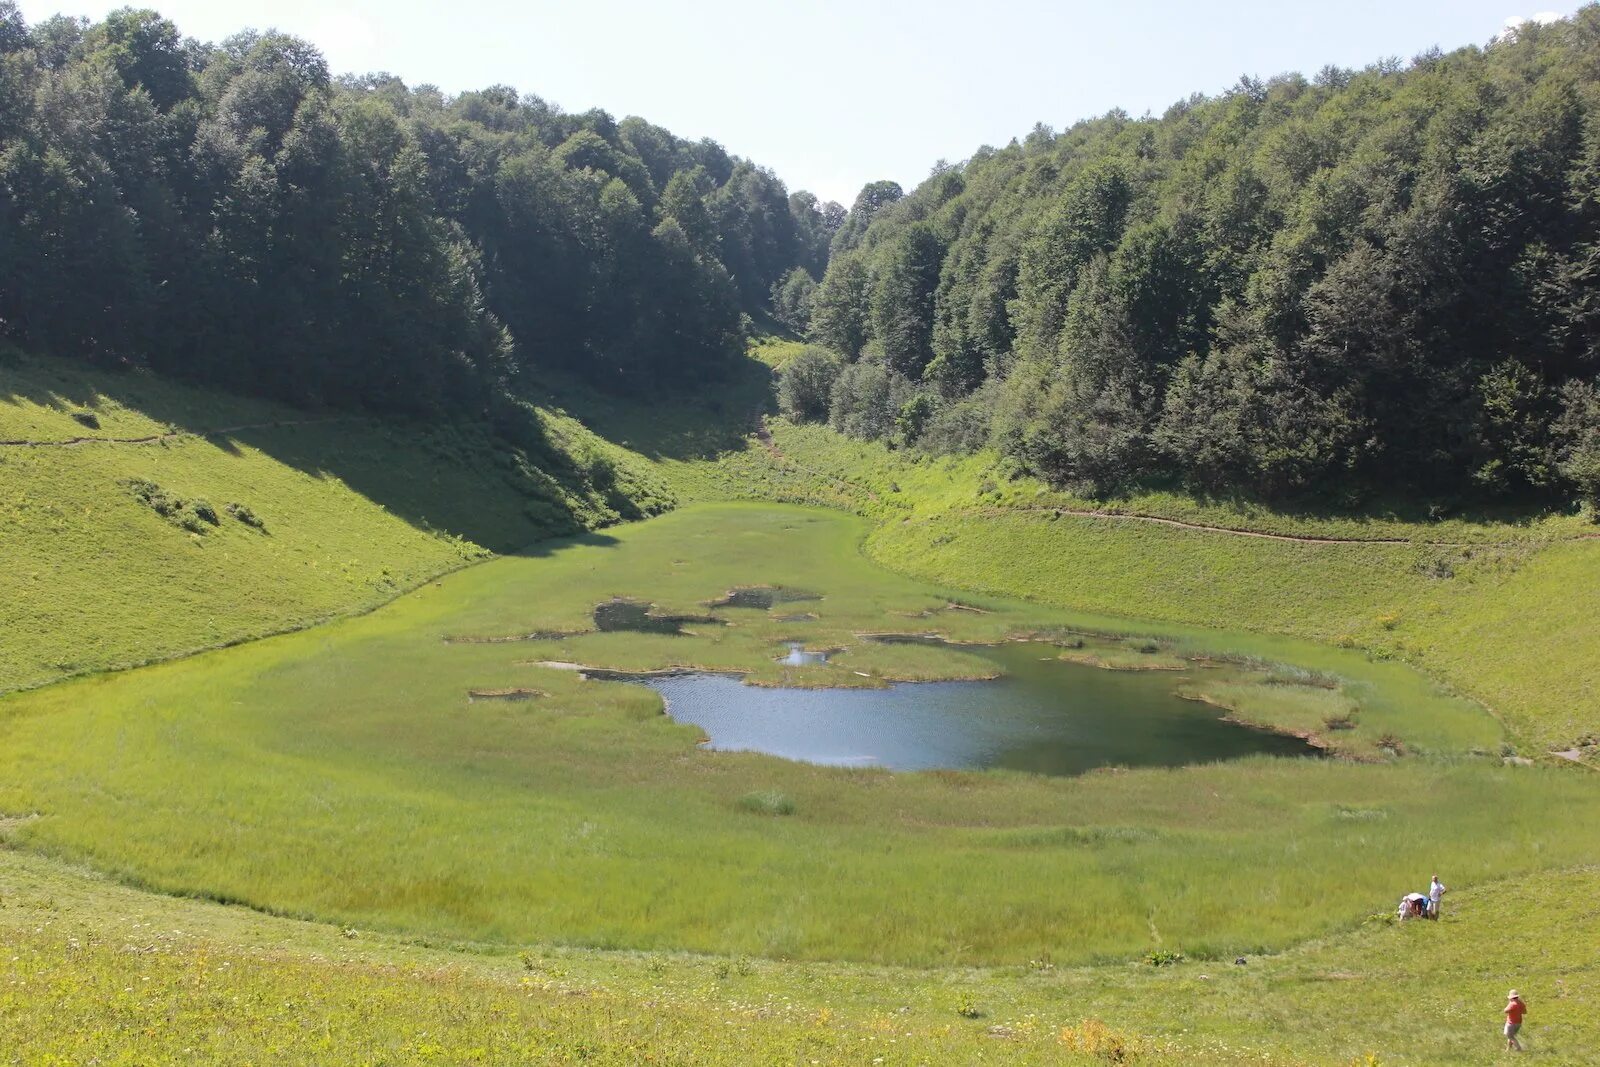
x=832, y=94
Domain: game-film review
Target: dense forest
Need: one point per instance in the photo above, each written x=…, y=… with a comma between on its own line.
x=234, y=214
x=1367, y=280
x=1377, y=279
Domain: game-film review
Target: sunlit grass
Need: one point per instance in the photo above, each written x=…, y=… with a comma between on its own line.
x=154, y=980
x=347, y=513
x=344, y=773
x=1502, y=613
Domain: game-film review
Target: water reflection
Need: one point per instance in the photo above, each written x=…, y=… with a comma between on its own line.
x=1044, y=716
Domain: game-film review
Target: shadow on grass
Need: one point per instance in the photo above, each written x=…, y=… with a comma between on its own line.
x=700, y=421
x=1419, y=507
x=447, y=477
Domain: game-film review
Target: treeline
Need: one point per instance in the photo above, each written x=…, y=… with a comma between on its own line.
x=234, y=214
x=1385, y=279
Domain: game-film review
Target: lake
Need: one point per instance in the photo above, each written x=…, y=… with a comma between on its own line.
x=1043, y=715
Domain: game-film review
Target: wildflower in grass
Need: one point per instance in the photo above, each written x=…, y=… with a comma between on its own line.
x=1100, y=1041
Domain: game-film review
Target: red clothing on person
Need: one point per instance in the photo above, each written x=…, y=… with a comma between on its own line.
x=1515, y=1011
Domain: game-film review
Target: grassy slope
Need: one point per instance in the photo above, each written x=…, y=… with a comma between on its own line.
x=365, y=785
x=1503, y=612
x=354, y=512
x=390, y=1001
x=156, y=980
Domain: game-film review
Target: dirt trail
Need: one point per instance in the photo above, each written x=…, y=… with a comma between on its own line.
x=1233, y=531
x=156, y=438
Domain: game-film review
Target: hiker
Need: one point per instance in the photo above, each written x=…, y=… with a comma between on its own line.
x=1435, y=891
x=1413, y=906
x=1515, y=1010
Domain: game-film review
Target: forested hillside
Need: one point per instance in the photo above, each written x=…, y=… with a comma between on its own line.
x=1386, y=278
x=233, y=214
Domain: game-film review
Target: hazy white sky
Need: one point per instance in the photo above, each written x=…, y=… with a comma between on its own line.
x=835, y=93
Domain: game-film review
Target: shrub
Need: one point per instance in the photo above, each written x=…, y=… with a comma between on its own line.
x=1096, y=1039
x=805, y=384
x=959, y=426
x=87, y=418
x=865, y=400
x=913, y=417
x=602, y=471
x=767, y=803
x=246, y=516
x=154, y=497
x=1163, y=957
x=205, y=512
x=966, y=1007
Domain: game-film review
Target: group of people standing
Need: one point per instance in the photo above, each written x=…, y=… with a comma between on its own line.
x=1420, y=906
x=1423, y=906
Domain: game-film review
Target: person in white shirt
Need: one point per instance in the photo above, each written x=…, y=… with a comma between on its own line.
x=1435, y=891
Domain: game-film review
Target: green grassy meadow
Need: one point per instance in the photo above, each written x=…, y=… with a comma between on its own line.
x=1497, y=608
x=320, y=847
x=349, y=511
x=153, y=979
x=344, y=773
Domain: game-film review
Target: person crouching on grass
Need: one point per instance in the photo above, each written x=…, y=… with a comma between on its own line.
x=1515, y=1010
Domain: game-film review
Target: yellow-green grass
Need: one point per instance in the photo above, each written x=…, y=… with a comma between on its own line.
x=343, y=773
x=775, y=351
x=349, y=511
x=910, y=482
x=147, y=979
x=1501, y=613
x=456, y=819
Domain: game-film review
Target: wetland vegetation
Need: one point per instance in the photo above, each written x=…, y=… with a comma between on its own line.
x=1060, y=641
x=370, y=788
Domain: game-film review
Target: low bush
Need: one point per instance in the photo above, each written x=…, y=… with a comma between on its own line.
x=246, y=516
x=153, y=497
x=767, y=802
x=1096, y=1039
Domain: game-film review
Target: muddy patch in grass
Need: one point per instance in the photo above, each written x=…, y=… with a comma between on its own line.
x=639, y=616
x=476, y=695
x=536, y=635
x=763, y=597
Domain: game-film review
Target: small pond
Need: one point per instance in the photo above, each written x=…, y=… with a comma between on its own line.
x=797, y=656
x=1043, y=715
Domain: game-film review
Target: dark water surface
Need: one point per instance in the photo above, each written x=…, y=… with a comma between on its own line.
x=1047, y=717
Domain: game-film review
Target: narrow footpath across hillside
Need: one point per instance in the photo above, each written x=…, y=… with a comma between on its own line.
x=764, y=436
x=157, y=438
